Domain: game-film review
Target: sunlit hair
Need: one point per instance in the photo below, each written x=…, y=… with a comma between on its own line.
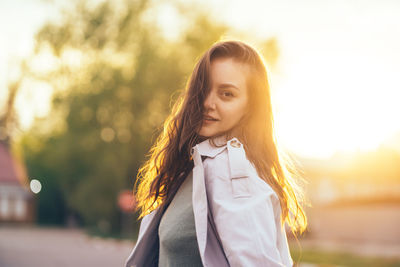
x=169, y=159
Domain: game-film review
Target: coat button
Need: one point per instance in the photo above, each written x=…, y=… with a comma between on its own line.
x=235, y=143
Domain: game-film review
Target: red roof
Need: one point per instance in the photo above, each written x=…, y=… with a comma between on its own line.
x=11, y=171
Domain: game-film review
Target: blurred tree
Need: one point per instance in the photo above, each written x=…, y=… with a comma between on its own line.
x=8, y=120
x=114, y=76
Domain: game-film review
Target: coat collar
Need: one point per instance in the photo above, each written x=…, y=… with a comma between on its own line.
x=206, y=148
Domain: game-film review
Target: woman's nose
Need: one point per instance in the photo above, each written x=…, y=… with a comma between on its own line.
x=209, y=102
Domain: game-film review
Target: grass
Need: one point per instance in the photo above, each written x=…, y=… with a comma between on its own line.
x=328, y=259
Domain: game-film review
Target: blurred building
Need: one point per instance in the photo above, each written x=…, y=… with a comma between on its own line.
x=354, y=198
x=16, y=199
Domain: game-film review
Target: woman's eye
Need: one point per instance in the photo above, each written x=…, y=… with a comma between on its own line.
x=227, y=94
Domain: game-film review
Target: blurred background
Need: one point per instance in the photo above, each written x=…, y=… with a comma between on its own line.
x=86, y=85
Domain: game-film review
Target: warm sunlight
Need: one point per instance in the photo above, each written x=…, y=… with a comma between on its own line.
x=336, y=86
x=338, y=107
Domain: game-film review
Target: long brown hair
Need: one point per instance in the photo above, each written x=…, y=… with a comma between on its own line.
x=170, y=161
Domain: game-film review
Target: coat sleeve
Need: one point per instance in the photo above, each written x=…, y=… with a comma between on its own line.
x=144, y=225
x=246, y=212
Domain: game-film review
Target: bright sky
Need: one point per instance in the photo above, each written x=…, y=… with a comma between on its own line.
x=336, y=87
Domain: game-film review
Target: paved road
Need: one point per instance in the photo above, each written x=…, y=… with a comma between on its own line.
x=50, y=247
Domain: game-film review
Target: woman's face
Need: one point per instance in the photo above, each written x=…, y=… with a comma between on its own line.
x=226, y=102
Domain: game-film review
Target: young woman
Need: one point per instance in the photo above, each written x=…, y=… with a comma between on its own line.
x=215, y=191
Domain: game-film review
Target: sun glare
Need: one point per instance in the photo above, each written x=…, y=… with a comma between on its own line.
x=337, y=107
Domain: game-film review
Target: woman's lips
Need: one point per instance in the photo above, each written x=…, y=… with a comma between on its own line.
x=209, y=119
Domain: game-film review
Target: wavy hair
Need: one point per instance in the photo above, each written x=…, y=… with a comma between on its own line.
x=169, y=159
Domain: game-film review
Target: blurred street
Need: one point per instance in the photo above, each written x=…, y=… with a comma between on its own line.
x=367, y=230
x=49, y=247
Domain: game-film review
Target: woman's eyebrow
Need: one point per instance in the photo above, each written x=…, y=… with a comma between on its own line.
x=228, y=85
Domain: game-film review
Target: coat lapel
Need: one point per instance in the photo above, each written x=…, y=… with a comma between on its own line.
x=199, y=200
x=199, y=196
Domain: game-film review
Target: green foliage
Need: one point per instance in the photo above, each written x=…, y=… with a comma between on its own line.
x=330, y=259
x=109, y=103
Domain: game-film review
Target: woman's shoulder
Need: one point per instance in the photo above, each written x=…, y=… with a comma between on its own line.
x=225, y=158
x=229, y=162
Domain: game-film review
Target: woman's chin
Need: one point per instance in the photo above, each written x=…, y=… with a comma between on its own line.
x=204, y=132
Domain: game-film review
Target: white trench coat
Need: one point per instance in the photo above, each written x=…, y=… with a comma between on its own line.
x=237, y=214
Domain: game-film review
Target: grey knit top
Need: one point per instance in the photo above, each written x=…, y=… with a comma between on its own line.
x=177, y=232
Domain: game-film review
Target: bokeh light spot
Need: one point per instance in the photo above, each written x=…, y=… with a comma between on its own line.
x=107, y=134
x=35, y=186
